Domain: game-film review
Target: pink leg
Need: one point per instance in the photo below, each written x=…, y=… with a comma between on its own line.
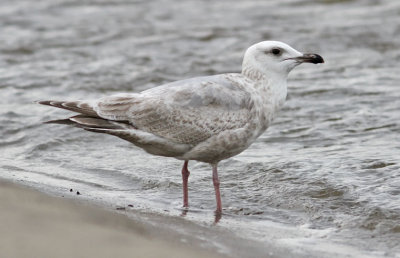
x=216, y=188
x=185, y=176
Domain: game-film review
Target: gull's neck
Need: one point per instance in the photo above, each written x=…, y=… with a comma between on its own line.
x=271, y=86
x=253, y=74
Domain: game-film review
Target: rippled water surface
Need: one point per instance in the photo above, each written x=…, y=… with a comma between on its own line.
x=323, y=181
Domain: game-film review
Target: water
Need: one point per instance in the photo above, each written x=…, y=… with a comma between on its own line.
x=323, y=181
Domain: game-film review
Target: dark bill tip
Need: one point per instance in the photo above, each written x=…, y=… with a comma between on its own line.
x=311, y=58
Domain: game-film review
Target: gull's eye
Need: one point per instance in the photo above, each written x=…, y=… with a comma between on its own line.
x=276, y=51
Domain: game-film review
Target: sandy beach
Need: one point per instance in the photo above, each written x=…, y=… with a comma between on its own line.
x=33, y=224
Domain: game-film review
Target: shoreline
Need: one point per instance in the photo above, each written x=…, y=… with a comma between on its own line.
x=34, y=224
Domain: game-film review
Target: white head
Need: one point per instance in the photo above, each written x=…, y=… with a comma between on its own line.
x=275, y=59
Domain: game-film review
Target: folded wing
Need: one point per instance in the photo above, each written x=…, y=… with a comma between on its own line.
x=186, y=112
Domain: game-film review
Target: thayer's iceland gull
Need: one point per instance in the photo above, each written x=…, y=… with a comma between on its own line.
x=207, y=119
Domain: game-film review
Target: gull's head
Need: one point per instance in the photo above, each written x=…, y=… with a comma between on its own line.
x=276, y=58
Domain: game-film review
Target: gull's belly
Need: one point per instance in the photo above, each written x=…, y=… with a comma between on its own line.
x=222, y=146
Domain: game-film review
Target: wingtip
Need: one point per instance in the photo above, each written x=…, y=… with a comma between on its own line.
x=104, y=130
x=42, y=102
x=95, y=130
x=49, y=103
x=59, y=121
x=52, y=103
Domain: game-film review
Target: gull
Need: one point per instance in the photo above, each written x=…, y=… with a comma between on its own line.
x=207, y=119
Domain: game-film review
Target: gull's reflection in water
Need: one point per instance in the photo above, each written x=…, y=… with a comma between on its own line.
x=217, y=214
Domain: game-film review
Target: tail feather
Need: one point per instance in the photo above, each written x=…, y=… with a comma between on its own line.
x=93, y=122
x=76, y=106
x=85, y=122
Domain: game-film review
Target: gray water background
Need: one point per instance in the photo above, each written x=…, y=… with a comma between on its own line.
x=323, y=181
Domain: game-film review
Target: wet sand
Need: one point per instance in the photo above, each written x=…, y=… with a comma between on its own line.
x=33, y=224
